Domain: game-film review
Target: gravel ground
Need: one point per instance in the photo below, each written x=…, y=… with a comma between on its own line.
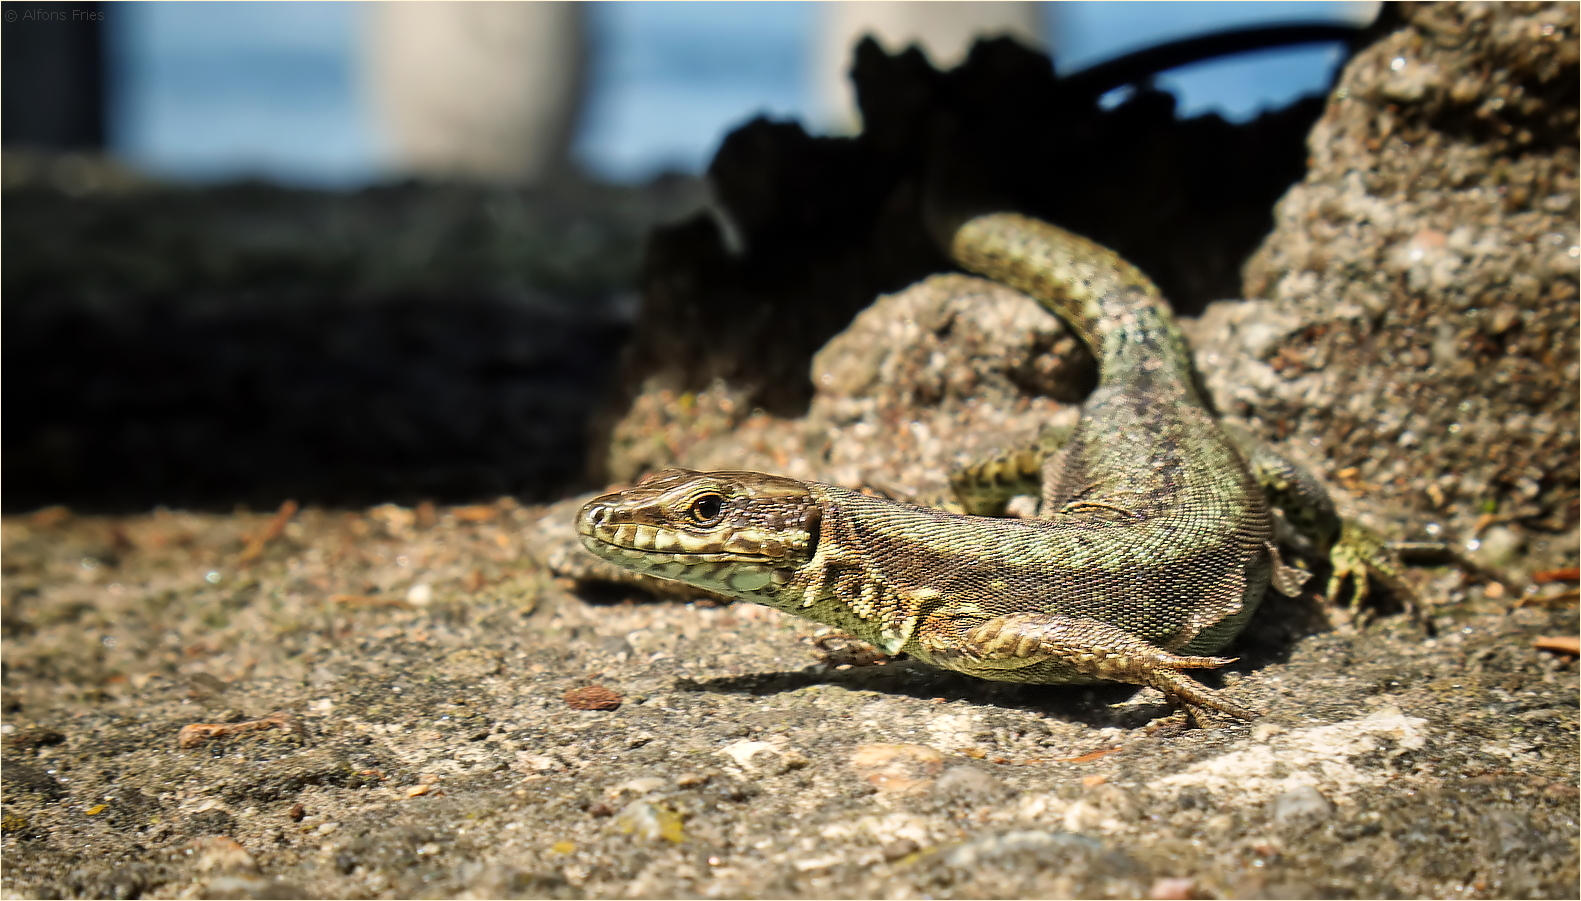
x=448, y=721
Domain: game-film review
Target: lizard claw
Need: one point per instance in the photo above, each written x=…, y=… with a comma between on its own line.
x=1361, y=553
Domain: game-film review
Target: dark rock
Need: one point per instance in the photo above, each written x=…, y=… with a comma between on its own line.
x=33, y=739
x=808, y=230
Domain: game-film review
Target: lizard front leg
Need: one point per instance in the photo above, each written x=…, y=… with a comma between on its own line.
x=1049, y=648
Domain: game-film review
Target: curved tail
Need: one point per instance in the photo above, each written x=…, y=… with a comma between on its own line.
x=1109, y=303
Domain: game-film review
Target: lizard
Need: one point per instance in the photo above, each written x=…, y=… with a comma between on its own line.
x=1153, y=544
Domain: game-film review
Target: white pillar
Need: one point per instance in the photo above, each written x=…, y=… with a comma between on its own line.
x=477, y=91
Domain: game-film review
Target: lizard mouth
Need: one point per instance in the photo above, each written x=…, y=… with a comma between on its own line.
x=654, y=544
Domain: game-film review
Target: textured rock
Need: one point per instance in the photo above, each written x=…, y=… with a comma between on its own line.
x=922, y=381
x=1415, y=337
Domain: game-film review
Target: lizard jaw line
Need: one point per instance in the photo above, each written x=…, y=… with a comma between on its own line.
x=601, y=545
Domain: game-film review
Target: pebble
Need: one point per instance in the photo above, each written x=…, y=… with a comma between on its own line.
x=640, y=786
x=224, y=855
x=898, y=848
x=969, y=782
x=897, y=768
x=242, y=887
x=650, y=822
x=1500, y=544
x=743, y=751
x=1171, y=889
x=817, y=863
x=593, y=697
x=1300, y=802
x=984, y=850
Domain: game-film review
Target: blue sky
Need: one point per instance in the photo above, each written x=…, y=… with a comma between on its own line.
x=210, y=90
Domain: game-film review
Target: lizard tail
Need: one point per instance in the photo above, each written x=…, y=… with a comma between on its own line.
x=1110, y=304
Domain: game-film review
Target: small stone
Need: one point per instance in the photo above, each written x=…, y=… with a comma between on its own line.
x=1031, y=842
x=651, y=822
x=897, y=768
x=221, y=854
x=1082, y=816
x=898, y=848
x=526, y=761
x=593, y=697
x=969, y=782
x=1499, y=546
x=1300, y=802
x=1261, y=732
x=250, y=887
x=296, y=812
x=639, y=786
x=473, y=663
x=742, y=752
x=1171, y=889
x=33, y=739
x=808, y=864
x=792, y=759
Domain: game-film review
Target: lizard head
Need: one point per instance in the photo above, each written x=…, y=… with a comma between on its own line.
x=741, y=534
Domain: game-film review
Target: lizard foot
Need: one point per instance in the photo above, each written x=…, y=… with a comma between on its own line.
x=1181, y=718
x=1361, y=553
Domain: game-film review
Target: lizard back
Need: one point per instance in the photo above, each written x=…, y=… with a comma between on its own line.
x=1150, y=519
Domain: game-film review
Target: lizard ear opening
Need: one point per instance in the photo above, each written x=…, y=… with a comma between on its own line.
x=812, y=523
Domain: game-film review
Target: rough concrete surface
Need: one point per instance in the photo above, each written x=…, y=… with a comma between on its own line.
x=430, y=748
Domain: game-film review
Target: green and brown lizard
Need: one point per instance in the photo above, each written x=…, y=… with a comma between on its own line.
x=1154, y=542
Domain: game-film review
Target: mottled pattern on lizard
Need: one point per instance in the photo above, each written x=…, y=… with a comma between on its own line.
x=1153, y=545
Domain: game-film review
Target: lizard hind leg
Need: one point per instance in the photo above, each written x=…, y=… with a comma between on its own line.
x=1360, y=552
x=985, y=488
x=1356, y=554
x=1013, y=647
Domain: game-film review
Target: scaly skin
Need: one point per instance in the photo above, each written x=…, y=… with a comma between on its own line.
x=1153, y=548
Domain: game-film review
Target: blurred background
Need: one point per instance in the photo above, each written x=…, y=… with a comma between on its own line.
x=344, y=95
x=355, y=252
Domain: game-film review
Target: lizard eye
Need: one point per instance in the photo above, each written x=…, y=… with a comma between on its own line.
x=706, y=509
